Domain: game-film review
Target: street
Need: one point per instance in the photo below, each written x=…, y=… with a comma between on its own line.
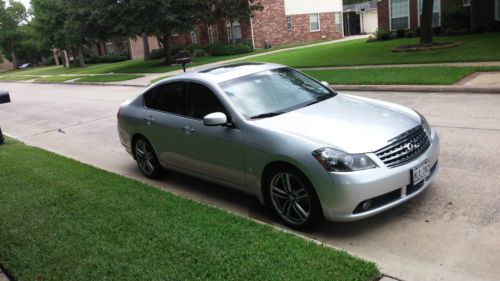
x=450, y=232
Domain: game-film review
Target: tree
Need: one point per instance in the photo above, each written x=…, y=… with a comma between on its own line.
x=426, y=22
x=11, y=19
x=236, y=10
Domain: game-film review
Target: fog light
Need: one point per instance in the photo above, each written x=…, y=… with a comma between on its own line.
x=366, y=205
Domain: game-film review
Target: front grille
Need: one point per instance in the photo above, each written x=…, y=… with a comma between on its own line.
x=405, y=147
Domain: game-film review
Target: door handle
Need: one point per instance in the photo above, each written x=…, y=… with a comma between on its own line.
x=149, y=120
x=188, y=130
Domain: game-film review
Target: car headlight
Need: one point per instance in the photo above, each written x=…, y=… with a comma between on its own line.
x=339, y=161
x=425, y=124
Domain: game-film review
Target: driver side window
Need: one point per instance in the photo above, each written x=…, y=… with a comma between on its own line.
x=202, y=101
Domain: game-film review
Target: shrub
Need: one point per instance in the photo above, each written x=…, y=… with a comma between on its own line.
x=183, y=54
x=157, y=54
x=437, y=30
x=107, y=59
x=198, y=53
x=221, y=49
x=455, y=17
x=382, y=35
x=400, y=33
x=410, y=34
x=417, y=31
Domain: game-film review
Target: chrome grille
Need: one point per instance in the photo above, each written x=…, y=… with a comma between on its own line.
x=405, y=147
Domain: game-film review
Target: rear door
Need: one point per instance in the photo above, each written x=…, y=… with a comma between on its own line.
x=166, y=109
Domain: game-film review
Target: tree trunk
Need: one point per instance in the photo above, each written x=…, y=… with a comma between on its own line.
x=426, y=22
x=56, y=57
x=231, y=33
x=167, y=36
x=81, y=60
x=145, y=42
x=65, y=58
x=13, y=54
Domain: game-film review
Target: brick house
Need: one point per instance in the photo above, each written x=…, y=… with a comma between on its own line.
x=281, y=22
x=405, y=14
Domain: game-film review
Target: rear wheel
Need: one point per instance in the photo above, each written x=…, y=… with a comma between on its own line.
x=292, y=198
x=146, y=159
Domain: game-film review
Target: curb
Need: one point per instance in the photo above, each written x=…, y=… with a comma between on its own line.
x=420, y=88
x=372, y=88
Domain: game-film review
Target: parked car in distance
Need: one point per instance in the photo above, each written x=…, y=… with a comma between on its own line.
x=274, y=132
x=25, y=65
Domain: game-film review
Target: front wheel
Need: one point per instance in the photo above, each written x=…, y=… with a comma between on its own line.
x=146, y=159
x=292, y=198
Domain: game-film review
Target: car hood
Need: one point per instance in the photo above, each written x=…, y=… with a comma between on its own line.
x=352, y=124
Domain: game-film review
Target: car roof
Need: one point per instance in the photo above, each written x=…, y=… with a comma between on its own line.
x=222, y=73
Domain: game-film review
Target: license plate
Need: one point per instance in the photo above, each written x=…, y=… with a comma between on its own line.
x=420, y=173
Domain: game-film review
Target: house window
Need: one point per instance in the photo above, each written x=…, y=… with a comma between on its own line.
x=338, y=22
x=124, y=47
x=436, y=12
x=289, y=23
x=194, y=37
x=497, y=10
x=466, y=3
x=399, y=11
x=109, y=48
x=236, y=32
x=314, y=22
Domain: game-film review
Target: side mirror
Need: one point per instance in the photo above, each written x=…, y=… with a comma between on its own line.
x=215, y=119
x=326, y=84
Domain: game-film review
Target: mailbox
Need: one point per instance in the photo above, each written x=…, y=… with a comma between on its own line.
x=4, y=98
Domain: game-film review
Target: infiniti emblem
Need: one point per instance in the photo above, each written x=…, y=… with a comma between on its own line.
x=409, y=147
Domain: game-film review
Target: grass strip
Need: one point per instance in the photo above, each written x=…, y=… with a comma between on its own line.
x=18, y=78
x=58, y=78
x=397, y=75
x=159, y=78
x=108, y=78
x=359, y=52
x=64, y=220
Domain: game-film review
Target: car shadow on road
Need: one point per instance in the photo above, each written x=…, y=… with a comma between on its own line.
x=247, y=205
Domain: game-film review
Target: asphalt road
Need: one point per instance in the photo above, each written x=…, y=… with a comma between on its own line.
x=450, y=232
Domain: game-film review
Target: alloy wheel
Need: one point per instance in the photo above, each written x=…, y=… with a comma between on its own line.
x=145, y=157
x=290, y=198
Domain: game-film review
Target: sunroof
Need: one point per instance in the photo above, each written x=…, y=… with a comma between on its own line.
x=224, y=68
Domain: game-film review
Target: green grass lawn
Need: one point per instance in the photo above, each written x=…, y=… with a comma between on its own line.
x=397, y=75
x=477, y=47
x=57, y=78
x=108, y=78
x=63, y=220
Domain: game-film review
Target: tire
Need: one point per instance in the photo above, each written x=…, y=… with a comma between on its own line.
x=146, y=159
x=292, y=198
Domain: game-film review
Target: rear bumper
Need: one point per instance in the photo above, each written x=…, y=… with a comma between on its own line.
x=385, y=187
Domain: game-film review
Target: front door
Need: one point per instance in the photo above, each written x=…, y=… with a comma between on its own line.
x=215, y=152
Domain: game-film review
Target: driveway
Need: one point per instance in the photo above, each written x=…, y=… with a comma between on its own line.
x=450, y=232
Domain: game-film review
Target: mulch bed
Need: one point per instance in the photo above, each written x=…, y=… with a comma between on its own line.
x=423, y=48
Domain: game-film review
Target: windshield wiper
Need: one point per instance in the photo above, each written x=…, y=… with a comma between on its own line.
x=265, y=115
x=325, y=97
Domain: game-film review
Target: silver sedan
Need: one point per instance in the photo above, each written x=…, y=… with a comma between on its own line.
x=274, y=132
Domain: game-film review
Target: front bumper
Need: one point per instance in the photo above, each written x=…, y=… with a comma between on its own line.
x=385, y=187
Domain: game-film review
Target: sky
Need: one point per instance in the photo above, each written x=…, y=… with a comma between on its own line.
x=26, y=3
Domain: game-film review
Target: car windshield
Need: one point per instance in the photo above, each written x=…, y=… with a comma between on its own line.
x=274, y=92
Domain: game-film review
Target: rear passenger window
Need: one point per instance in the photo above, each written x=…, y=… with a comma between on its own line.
x=169, y=98
x=202, y=101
